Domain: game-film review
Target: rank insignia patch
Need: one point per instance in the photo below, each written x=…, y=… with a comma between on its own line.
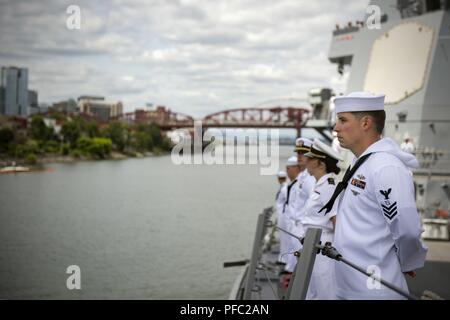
x=358, y=183
x=390, y=211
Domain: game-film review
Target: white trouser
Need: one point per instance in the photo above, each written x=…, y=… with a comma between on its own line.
x=322, y=285
x=294, y=244
x=283, y=222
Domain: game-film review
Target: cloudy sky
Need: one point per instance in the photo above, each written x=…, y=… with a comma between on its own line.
x=196, y=57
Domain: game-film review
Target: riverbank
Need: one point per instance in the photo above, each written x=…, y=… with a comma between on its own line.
x=55, y=158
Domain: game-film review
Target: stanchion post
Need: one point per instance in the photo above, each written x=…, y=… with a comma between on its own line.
x=298, y=286
x=260, y=227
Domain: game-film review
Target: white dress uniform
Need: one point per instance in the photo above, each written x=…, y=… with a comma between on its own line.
x=322, y=285
x=282, y=220
x=322, y=282
x=300, y=194
x=377, y=226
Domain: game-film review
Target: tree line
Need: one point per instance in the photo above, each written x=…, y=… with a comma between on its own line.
x=78, y=137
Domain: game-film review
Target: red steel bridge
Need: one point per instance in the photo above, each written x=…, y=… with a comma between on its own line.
x=269, y=117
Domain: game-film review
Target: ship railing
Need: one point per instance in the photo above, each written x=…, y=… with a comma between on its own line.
x=299, y=283
x=300, y=279
x=246, y=283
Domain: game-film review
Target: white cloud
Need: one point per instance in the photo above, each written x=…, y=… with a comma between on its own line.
x=196, y=57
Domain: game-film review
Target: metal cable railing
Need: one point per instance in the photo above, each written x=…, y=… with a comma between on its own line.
x=329, y=251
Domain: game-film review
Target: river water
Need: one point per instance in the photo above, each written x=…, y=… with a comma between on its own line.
x=137, y=228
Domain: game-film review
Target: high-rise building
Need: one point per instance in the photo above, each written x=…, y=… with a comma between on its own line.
x=14, y=91
x=33, y=104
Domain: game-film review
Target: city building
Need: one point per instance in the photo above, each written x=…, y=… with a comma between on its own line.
x=14, y=91
x=33, y=104
x=66, y=106
x=97, y=106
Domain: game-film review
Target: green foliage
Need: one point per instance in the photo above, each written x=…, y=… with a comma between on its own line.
x=155, y=133
x=166, y=144
x=71, y=131
x=38, y=130
x=142, y=141
x=148, y=137
x=76, y=153
x=31, y=146
x=56, y=115
x=6, y=137
x=81, y=137
x=157, y=151
x=100, y=147
x=31, y=159
x=118, y=134
x=51, y=147
x=65, y=149
x=91, y=129
x=94, y=147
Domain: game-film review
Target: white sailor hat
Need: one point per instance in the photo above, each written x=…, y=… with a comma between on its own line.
x=303, y=145
x=359, y=102
x=320, y=150
x=292, y=162
x=281, y=174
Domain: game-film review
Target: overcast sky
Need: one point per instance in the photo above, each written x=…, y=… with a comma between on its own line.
x=196, y=57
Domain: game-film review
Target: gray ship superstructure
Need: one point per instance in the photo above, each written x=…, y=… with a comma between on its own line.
x=405, y=54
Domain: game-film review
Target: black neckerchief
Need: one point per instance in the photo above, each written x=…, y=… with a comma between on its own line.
x=343, y=184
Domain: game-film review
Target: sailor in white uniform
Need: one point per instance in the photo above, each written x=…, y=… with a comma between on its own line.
x=377, y=225
x=407, y=144
x=322, y=165
x=292, y=170
x=299, y=194
x=282, y=222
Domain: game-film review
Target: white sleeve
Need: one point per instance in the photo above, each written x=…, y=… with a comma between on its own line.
x=394, y=191
x=301, y=198
x=310, y=184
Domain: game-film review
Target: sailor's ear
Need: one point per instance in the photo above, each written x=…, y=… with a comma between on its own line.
x=366, y=122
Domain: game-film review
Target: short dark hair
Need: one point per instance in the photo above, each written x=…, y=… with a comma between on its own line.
x=330, y=165
x=379, y=118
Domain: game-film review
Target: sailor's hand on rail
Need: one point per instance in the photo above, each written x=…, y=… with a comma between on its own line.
x=412, y=274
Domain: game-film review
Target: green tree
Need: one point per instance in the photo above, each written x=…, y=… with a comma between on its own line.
x=31, y=159
x=51, y=146
x=94, y=147
x=155, y=133
x=38, y=129
x=100, y=147
x=142, y=141
x=91, y=129
x=166, y=144
x=30, y=147
x=117, y=132
x=71, y=131
x=6, y=137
